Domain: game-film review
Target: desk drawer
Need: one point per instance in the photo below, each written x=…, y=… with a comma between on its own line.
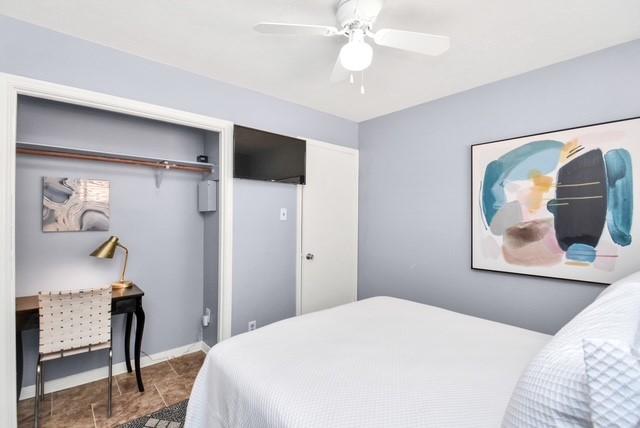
x=123, y=306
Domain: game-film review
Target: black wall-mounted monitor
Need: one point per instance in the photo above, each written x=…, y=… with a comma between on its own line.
x=260, y=155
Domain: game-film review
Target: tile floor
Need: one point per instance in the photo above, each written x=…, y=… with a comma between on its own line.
x=85, y=406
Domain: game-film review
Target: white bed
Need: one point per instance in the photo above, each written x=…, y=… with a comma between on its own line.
x=380, y=362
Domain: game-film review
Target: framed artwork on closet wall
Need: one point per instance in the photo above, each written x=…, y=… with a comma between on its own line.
x=558, y=204
x=75, y=204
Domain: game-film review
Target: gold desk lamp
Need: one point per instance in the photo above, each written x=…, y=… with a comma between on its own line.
x=106, y=250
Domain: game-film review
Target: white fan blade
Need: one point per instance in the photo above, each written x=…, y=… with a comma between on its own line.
x=427, y=44
x=295, y=29
x=339, y=73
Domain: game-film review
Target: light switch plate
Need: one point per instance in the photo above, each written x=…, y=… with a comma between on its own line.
x=283, y=214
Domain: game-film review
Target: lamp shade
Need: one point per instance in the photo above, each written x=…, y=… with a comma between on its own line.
x=107, y=249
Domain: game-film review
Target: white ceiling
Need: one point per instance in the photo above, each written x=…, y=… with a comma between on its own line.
x=490, y=40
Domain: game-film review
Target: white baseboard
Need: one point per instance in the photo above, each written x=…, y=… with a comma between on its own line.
x=204, y=347
x=102, y=372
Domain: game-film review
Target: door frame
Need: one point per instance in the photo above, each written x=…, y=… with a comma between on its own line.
x=300, y=219
x=11, y=87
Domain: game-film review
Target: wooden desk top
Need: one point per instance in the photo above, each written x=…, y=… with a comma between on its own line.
x=28, y=304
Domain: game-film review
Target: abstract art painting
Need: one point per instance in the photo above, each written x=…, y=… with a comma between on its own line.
x=74, y=205
x=559, y=204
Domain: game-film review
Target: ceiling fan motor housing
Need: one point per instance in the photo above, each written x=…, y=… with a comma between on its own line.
x=361, y=14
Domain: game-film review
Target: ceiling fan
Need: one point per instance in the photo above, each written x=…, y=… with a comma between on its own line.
x=356, y=19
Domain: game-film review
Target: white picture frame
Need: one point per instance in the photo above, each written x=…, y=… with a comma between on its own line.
x=548, y=205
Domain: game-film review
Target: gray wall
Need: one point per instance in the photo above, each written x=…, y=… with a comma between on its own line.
x=211, y=245
x=264, y=248
x=39, y=53
x=414, y=186
x=161, y=227
x=409, y=246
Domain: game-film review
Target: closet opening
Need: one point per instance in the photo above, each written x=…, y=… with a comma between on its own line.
x=84, y=167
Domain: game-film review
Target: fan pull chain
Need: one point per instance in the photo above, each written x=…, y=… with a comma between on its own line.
x=362, y=83
x=351, y=80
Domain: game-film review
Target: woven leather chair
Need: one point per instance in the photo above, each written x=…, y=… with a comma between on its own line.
x=71, y=323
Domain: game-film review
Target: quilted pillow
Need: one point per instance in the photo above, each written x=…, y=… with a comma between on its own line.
x=553, y=390
x=613, y=380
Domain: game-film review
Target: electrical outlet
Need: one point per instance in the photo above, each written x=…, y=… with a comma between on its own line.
x=283, y=214
x=206, y=318
x=252, y=325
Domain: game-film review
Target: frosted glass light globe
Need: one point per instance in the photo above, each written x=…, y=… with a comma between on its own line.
x=356, y=55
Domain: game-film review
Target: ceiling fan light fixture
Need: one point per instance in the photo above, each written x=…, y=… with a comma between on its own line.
x=356, y=55
x=356, y=20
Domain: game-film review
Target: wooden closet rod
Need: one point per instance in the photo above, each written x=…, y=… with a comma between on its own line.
x=98, y=158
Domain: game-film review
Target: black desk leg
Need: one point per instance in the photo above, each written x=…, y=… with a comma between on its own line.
x=19, y=361
x=139, y=331
x=127, y=341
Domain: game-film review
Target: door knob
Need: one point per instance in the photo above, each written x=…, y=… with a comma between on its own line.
x=309, y=256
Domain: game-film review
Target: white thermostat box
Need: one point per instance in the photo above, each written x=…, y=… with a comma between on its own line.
x=207, y=196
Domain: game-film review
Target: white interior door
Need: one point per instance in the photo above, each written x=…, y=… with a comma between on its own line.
x=329, y=229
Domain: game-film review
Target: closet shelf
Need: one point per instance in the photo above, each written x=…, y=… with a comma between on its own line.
x=34, y=149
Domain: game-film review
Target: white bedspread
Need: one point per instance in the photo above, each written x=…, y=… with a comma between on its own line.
x=380, y=362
